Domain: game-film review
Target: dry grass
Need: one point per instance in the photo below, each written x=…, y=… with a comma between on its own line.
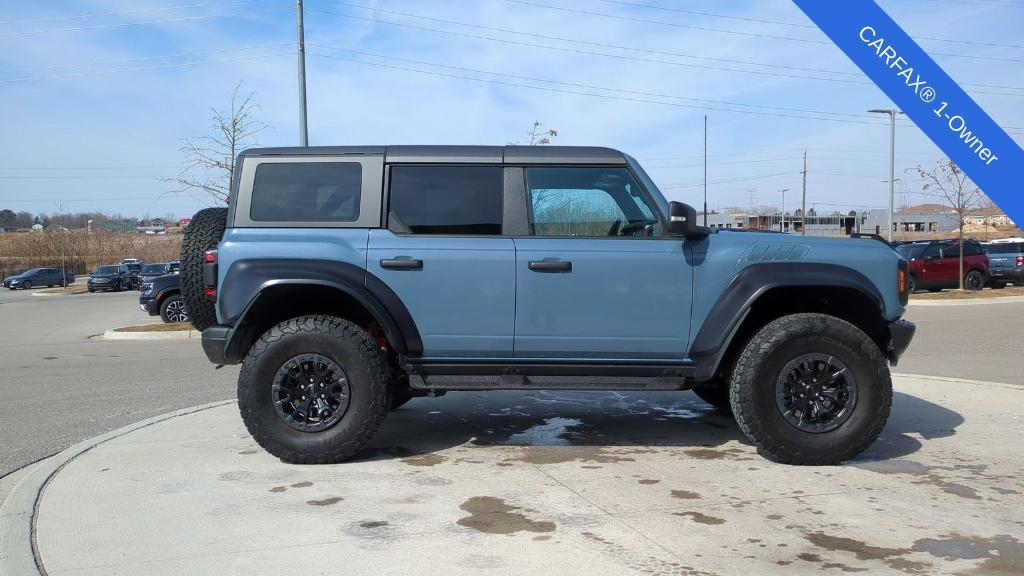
x=969, y=295
x=80, y=250
x=172, y=327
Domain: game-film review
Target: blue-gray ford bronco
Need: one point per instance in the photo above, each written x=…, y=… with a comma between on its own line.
x=347, y=280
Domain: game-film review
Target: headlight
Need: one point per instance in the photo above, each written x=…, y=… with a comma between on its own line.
x=147, y=287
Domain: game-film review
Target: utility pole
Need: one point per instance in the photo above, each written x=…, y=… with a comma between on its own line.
x=782, y=224
x=803, y=202
x=705, y=170
x=303, y=131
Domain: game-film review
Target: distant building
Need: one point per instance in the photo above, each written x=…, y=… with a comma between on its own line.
x=926, y=218
x=990, y=216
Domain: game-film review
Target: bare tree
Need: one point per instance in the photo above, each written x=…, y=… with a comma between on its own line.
x=538, y=135
x=209, y=163
x=950, y=185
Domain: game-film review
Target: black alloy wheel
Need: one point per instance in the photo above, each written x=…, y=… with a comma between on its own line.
x=310, y=392
x=816, y=392
x=974, y=280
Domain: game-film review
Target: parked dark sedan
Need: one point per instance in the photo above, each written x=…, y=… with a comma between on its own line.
x=162, y=295
x=39, y=277
x=113, y=277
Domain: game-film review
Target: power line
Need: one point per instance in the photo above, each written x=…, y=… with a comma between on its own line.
x=580, y=93
x=123, y=12
x=796, y=25
x=144, y=59
x=142, y=68
x=721, y=31
x=588, y=86
x=124, y=24
x=728, y=181
x=855, y=78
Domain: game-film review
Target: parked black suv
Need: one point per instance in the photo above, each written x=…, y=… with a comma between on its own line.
x=162, y=296
x=115, y=277
x=151, y=271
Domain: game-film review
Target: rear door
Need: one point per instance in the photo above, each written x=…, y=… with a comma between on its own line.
x=595, y=279
x=444, y=255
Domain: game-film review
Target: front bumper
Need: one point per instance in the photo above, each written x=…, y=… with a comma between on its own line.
x=901, y=332
x=150, y=305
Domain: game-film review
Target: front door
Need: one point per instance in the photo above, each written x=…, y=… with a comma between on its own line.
x=444, y=255
x=595, y=280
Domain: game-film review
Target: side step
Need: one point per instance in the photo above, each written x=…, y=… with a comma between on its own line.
x=523, y=382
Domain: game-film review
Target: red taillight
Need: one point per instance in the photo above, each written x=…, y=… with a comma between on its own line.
x=1020, y=261
x=210, y=257
x=210, y=293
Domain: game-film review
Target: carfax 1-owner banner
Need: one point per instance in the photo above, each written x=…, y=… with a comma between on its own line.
x=927, y=95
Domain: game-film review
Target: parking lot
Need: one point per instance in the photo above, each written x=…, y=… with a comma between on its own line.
x=512, y=482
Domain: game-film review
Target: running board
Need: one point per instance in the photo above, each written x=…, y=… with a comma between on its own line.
x=486, y=376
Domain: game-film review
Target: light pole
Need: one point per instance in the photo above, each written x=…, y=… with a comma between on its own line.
x=892, y=159
x=782, y=224
x=303, y=133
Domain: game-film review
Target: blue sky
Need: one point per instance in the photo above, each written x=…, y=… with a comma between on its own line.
x=94, y=109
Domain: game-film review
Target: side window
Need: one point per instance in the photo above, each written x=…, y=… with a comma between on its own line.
x=306, y=192
x=449, y=200
x=951, y=250
x=972, y=249
x=588, y=201
x=933, y=251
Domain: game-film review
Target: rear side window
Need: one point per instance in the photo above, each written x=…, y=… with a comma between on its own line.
x=306, y=192
x=450, y=200
x=972, y=249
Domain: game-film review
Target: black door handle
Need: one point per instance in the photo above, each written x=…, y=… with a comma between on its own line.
x=395, y=264
x=550, y=266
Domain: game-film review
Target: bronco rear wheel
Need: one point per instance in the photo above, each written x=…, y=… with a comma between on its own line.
x=313, y=390
x=202, y=234
x=811, y=389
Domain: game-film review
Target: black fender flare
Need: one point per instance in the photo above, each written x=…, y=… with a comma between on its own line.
x=734, y=304
x=247, y=279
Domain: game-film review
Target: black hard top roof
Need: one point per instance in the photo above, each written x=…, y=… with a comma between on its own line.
x=459, y=154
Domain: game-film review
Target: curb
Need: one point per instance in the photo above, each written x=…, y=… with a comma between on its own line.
x=18, y=553
x=170, y=335
x=958, y=380
x=967, y=302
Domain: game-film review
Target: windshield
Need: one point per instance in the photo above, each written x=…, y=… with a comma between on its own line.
x=1003, y=248
x=154, y=269
x=105, y=270
x=911, y=251
x=652, y=188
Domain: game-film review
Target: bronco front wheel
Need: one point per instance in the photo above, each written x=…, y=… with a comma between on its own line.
x=811, y=389
x=313, y=390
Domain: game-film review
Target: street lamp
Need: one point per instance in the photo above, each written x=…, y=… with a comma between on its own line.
x=782, y=224
x=892, y=159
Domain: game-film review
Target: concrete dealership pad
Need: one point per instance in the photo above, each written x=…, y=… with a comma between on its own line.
x=545, y=482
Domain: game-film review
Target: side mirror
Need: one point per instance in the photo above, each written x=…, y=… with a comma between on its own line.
x=682, y=221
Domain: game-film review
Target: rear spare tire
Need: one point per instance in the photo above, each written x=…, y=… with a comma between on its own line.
x=202, y=234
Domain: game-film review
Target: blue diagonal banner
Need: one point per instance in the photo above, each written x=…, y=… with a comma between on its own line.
x=928, y=96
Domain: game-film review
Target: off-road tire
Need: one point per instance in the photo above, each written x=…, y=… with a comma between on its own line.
x=202, y=234
x=364, y=365
x=752, y=390
x=715, y=393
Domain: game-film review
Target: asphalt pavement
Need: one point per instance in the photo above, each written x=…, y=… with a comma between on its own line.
x=59, y=386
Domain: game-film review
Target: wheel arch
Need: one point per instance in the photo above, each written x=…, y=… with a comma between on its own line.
x=258, y=294
x=761, y=293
